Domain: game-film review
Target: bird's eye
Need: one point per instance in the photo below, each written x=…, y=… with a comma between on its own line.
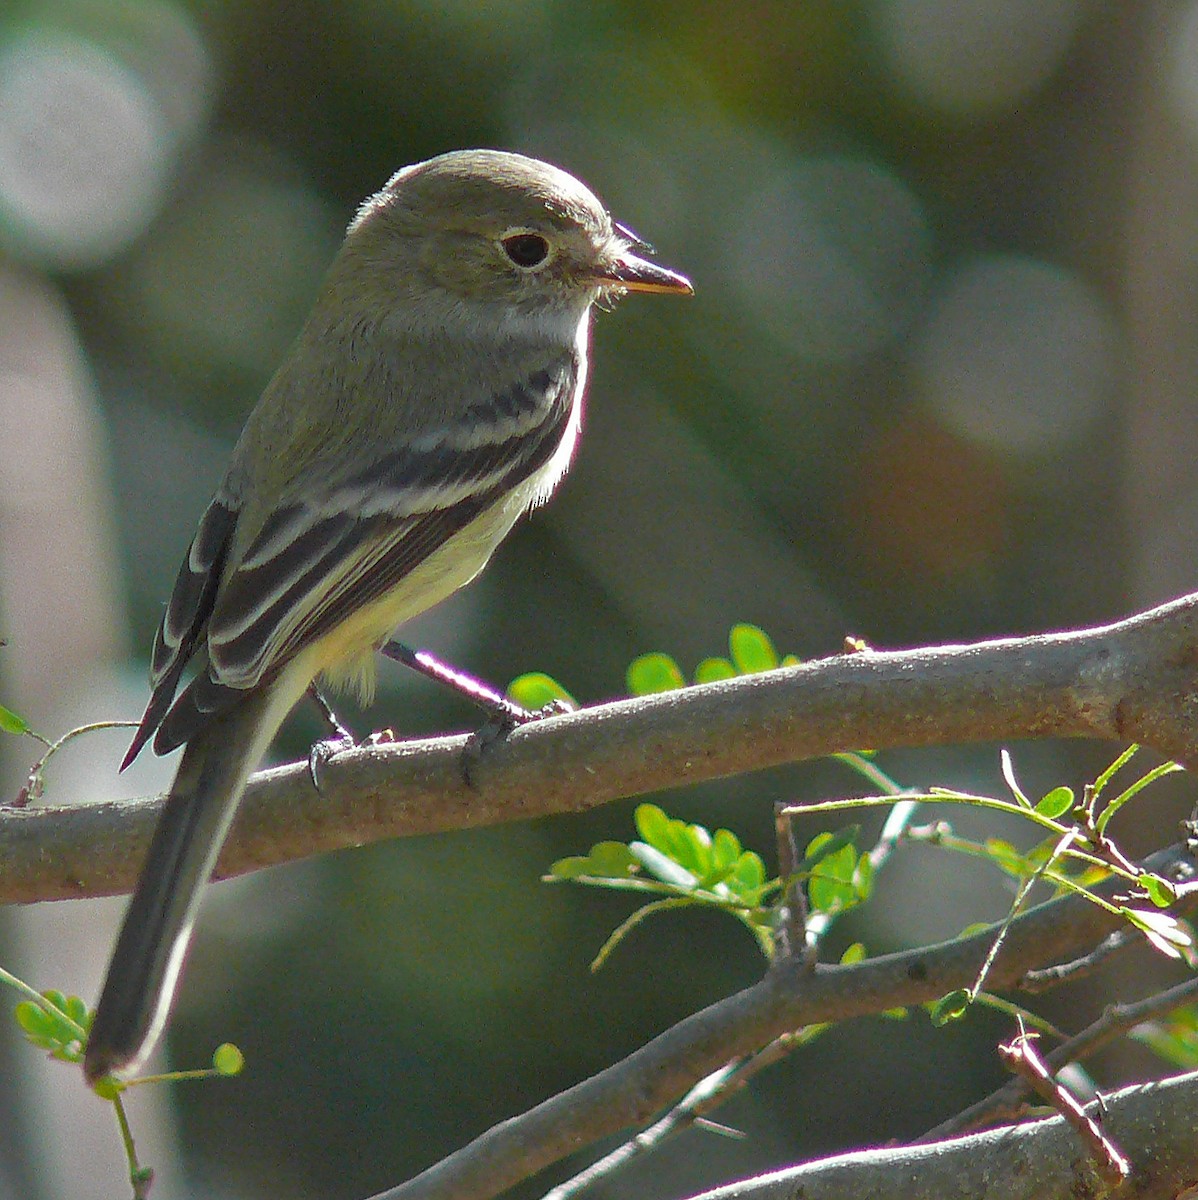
x=526, y=250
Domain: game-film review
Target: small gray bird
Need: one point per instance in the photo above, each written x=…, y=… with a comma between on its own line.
x=434, y=395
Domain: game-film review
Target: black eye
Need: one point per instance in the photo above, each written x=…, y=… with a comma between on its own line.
x=526, y=249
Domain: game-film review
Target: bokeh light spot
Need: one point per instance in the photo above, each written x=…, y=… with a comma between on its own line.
x=80, y=150
x=1017, y=354
x=973, y=56
x=832, y=256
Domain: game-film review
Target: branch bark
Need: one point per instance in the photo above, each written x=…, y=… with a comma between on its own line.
x=1039, y=1160
x=1136, y=680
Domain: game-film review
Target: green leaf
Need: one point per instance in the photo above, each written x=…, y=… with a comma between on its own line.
x=854, y=953
x=57, y=1030
x=749, y=873
x=824, y=844
x=1056, y=803
x=1170, y=935
x=751, y=649
x=108, y=1088
x=687, y=845
x=607, y=860
x=863, y=878
x=32, y=1018
x=725, y=850
x=975, y=927
x=1173, y=1038
x=832, y=886
x=1160, y=891
x=652, y=824
x=652, y=673
x=536, y=690
x=712, y=670
x=228, y=1059
x=10, y=722
x=951, y=1007
x=1005, y=857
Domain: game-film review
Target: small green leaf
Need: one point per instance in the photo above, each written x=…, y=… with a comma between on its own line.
x=824, y=844
x=854, y=953
x=569, y=868
x=1173, y=1037
x=951, y=1007
x=652, y=673
x=1160, y=891
x=1056, y=803
x=712, y=670
x=975, y=927
x=749, y=872
x=10, y=722
x=751, y=649
x=1004, y=856
x=228, y=1059
x=832, y=886
x=863, y=878
x=607, y=860
x=32, y=1018
x=1114, y=768
x=653, y=825
x=725, y=850
x=1170, y=935
x=536, y=690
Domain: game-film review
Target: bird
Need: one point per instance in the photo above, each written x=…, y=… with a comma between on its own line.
x=433, y=395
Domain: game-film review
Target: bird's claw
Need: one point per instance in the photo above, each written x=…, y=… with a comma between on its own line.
x=322, y=752
x=504, y=718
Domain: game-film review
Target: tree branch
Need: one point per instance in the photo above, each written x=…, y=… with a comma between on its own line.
x=629, y=1093
x=1136, y=680
x=1038, y=1160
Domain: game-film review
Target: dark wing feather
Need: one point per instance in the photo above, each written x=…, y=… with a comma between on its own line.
x=186, y=617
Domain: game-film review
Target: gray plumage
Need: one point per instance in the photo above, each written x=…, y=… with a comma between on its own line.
x=433, y=395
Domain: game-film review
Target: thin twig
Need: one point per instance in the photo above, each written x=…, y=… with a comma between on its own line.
x=1047, y=978
x=1020, y=1057
x=792, y=935
x=1009, y=1101
x=708, y=1094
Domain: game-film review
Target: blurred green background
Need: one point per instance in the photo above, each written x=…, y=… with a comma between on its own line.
x=936, y=383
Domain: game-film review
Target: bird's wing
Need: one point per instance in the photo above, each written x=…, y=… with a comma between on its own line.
x=319, y=559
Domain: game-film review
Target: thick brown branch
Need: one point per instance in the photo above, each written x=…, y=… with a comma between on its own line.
x=1134, y=681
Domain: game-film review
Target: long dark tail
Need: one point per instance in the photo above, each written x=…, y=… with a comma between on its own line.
x=149, y=951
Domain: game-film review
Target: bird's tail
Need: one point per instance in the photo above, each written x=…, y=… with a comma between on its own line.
x=149, y=951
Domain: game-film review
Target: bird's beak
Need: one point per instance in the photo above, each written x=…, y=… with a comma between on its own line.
x=636, y=274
